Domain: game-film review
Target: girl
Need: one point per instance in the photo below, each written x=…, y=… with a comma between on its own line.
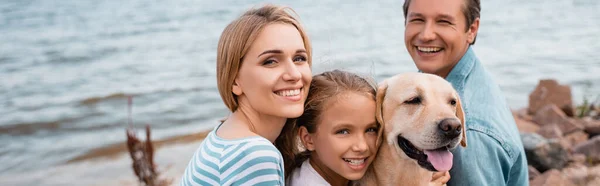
x=263, y=75
x=338, y=130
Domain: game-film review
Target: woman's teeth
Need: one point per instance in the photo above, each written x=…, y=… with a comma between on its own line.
x=429, y=49
x=355, y=161
x=288, y=92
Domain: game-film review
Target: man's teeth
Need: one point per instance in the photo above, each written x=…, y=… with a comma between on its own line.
x=288, y=92
x=355, y=161
x=429, y=49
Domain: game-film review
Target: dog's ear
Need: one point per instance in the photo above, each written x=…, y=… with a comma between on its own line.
x=460, y=113
x=381, y=89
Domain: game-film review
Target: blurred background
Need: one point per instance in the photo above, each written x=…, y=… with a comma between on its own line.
x=67, y=67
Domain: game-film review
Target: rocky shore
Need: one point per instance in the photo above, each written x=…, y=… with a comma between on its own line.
x=561, y=141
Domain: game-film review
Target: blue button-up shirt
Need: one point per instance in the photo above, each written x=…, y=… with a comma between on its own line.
x=494, y=154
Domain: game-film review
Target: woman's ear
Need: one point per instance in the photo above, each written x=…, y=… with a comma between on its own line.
x=306, y=138
x=236, y=89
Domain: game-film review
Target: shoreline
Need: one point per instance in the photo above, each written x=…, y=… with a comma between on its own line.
x=111, y=165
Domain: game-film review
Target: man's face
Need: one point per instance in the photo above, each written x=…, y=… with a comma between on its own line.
x=435, y=34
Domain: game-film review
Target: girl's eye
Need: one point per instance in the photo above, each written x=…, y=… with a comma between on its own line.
x=299, y=59
x=343, y=131
x=269, y=62
x=372, y=129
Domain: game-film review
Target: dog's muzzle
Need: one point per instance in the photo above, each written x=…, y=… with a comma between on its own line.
x=441, y=159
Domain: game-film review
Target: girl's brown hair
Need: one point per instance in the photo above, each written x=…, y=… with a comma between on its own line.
x=323, y=91
x=237, y=38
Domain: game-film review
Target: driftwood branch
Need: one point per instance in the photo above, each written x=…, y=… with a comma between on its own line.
x=142, y=154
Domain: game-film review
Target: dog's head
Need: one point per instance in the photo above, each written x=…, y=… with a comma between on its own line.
x=421, y=118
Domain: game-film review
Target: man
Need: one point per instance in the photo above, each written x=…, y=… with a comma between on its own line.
x=438, y=37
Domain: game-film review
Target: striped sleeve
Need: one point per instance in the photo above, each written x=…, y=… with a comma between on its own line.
x=253, y=161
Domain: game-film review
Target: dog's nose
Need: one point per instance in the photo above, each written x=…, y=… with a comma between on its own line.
x=450, y=127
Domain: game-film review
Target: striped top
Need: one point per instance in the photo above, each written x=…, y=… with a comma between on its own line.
x=244, y=161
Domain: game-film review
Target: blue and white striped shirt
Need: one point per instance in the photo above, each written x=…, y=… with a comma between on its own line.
x=244, y=161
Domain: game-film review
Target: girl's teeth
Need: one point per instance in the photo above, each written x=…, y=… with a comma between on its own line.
x=355, y=161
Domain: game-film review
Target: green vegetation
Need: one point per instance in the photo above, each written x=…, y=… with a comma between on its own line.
x=588, y=107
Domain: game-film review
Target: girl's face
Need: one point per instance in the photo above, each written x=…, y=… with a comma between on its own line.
x=275, y=75
x=344, y=141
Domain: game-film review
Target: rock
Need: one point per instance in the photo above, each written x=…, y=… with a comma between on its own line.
x=577, y=159
x=577, y=174
x=550, y=92
x=594, y=176
x=570, y=125
x=523, y=114
x=544, y=154
x=524, y=125
x=590, y=148
x=551, y=178
x=533, y=173
x=551, y=114
x=591, y=126
x=574, y=139
x=550, y=131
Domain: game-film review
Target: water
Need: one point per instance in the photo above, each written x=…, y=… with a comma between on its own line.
x=66, y=67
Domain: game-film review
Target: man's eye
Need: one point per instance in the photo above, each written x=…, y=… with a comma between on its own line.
x=417, y=20
x=445, y=22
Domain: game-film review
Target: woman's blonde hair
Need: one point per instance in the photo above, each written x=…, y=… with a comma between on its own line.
x=237, y=38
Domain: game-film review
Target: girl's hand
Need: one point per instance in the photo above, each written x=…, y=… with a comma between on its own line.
x=440, y=178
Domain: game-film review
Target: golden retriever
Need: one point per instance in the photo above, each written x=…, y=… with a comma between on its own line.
x=422, y=119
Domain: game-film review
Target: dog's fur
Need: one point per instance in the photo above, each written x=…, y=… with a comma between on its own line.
x=418, y=123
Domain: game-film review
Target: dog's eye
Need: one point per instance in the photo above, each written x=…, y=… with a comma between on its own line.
x=453, y=102
x=415, y=100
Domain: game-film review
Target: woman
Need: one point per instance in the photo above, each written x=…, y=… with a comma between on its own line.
x=263, y=75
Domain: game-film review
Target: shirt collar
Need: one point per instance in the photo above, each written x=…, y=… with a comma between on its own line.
x=461, y=70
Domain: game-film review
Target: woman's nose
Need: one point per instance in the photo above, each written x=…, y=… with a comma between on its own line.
x=292, y=73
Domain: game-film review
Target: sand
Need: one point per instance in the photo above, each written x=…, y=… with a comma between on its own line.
x=112, y=165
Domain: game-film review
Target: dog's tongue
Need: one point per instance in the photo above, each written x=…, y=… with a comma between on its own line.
x=440, y=159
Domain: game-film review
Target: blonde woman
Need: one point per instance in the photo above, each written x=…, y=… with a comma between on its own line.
x=263, y=75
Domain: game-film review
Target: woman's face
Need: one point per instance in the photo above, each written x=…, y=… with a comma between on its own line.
x=275, y=75
x=345, y=137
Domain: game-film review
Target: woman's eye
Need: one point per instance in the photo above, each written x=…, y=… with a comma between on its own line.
x=299, y=59
x=269, y=62
x=343, y=131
